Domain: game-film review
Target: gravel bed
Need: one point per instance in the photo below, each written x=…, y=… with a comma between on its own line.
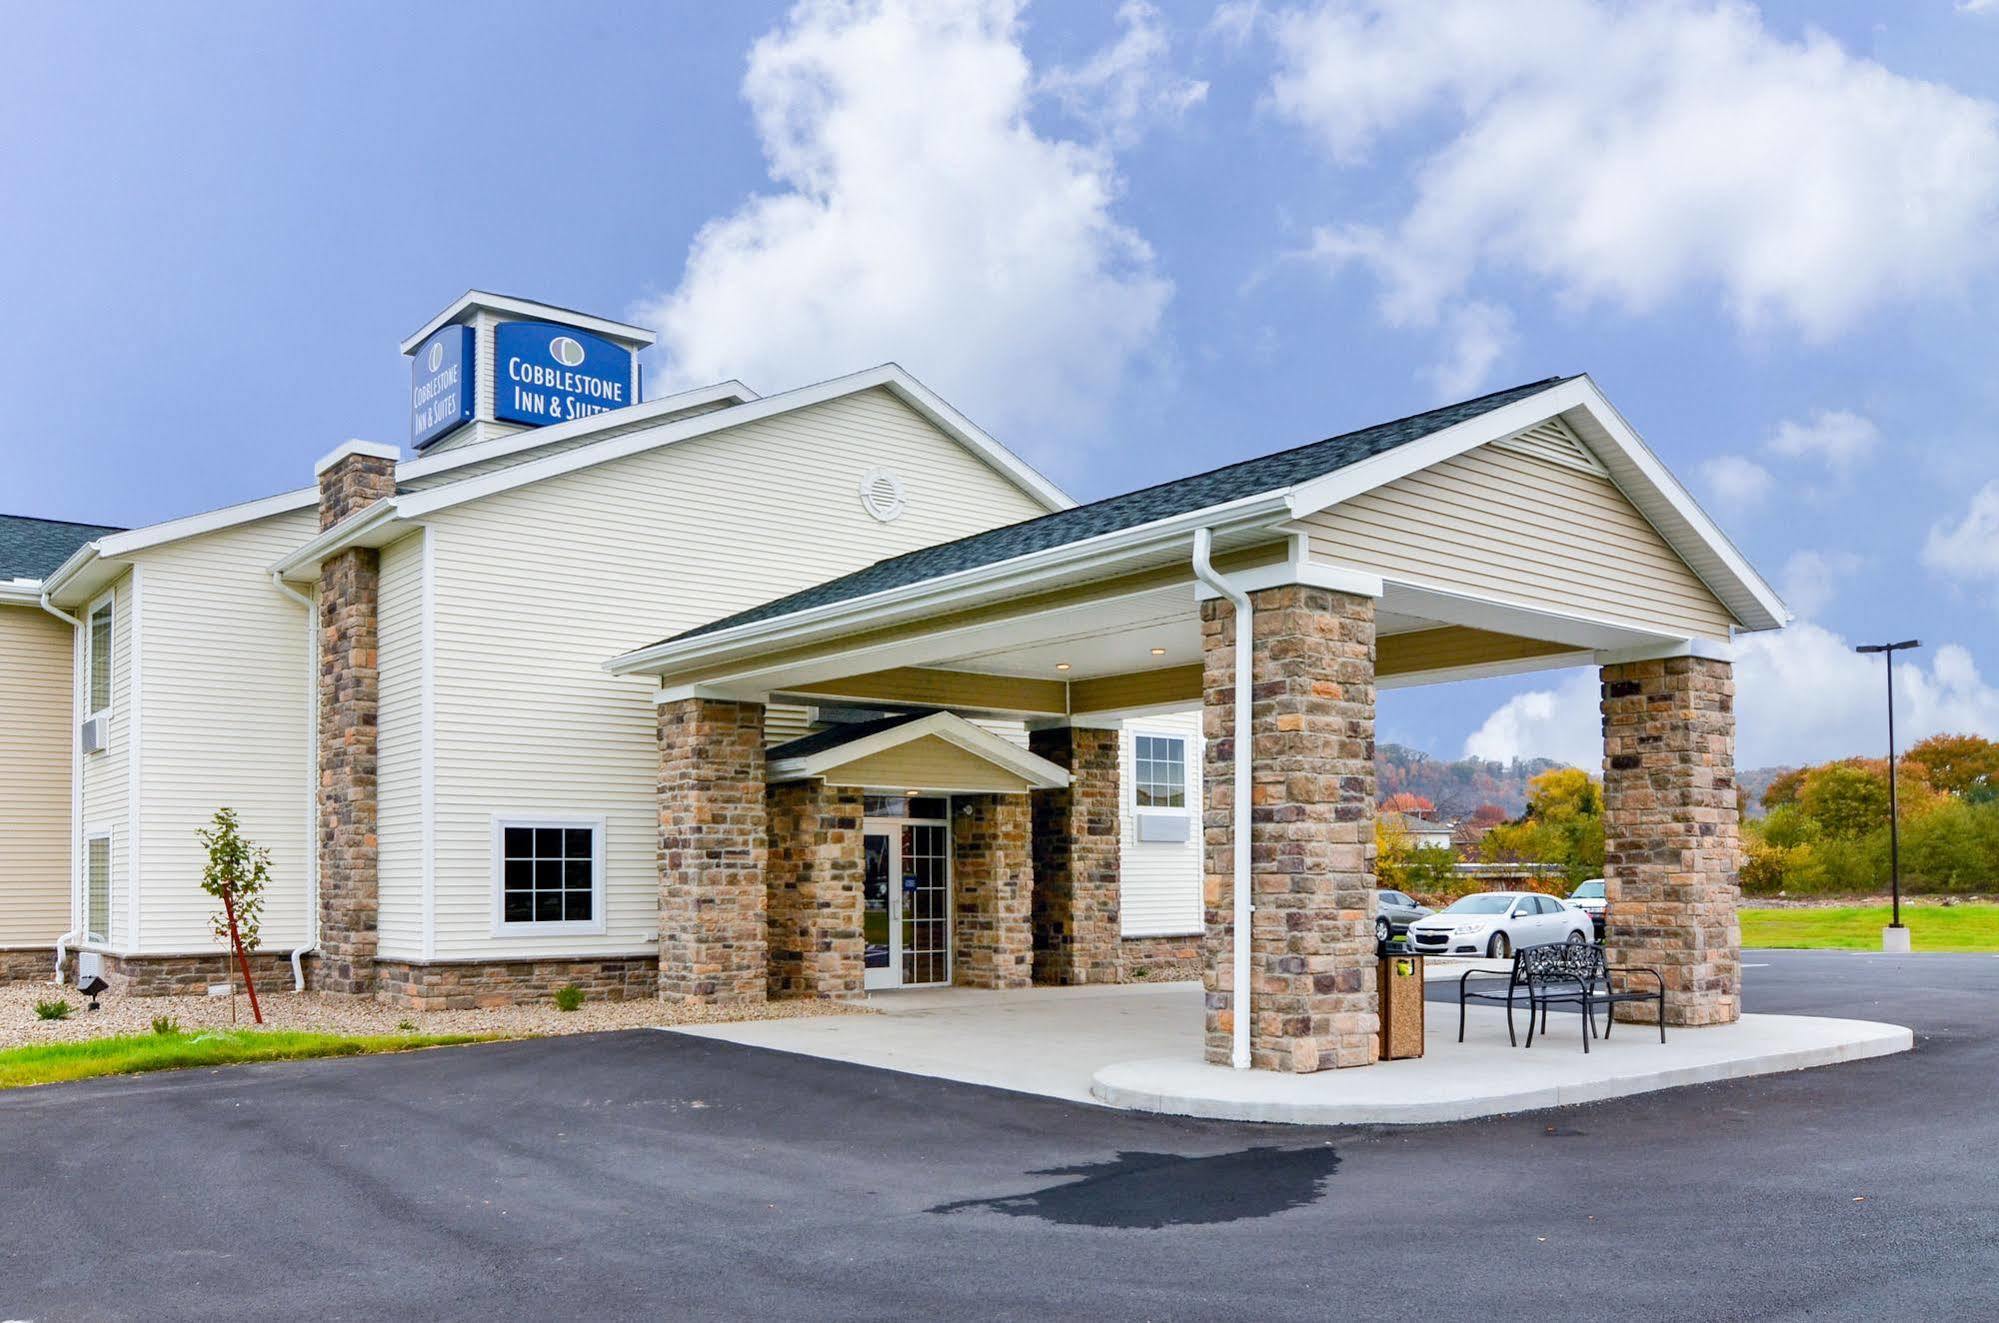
x=355, y=1015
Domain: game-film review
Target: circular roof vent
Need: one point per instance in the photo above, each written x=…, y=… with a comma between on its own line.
x=881, y=494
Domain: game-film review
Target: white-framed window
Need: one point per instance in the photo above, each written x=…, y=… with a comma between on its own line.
x=548, y=874
x=97, y=886
x=1159, y=773
x=101, y=624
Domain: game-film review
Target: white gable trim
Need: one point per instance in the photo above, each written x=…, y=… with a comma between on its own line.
x=887, y=376
x=730, y=392
x=1037, y=771
x=1631, y=465
x=473, y=300
x=379, y=520
x=115, y=546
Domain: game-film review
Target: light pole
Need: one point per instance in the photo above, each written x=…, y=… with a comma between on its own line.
x=1895, y=937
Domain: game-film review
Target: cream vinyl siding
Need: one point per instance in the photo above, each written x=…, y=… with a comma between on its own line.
x=226, y=721
x=1519, y=527
x=927, y=764
x=1160, y=890
x=37, y=733
x=106, y=773
x=538, y=586
x=399, y=750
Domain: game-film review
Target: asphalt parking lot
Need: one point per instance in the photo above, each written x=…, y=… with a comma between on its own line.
x=655, y=1175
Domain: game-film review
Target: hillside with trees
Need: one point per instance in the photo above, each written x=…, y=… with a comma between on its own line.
x=1456, y=787
x=1825, y=828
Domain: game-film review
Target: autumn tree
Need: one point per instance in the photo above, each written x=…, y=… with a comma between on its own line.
x=1963, y=765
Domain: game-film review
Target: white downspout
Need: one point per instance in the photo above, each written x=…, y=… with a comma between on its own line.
x=1245, y=656
x=311, y=947
x=74, y=934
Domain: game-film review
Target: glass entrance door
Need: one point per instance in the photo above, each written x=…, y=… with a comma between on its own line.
x=906, y=903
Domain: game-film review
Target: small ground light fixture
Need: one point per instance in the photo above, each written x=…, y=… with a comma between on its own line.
x=93, y=987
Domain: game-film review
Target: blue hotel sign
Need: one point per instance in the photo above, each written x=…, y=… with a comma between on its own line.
x=440, y=385
x=550, y=374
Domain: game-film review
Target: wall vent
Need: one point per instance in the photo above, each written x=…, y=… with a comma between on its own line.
x=881, y=494
x=1555, y=442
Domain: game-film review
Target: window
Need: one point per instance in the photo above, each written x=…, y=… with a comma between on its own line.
x=1159, y=767
x=97, y=888
x=100, y=657
x=551, y=874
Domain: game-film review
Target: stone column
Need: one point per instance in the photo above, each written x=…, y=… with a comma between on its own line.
x=713, y=838
x=1671, y=836
x=992, y=892
x=1076, y=860
x=350, y=479
x=814, y=874
x=1312, y=962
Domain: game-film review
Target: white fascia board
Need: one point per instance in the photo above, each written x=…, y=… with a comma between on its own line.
x=116, y=546
x=534, y=438
x=635, y=443
x=1558, y=661
x=474, y=299
x=1742, y=589
x=1637, y=472
x=374, y=525
x=1707, y=649
x=933, y=407
x=21, y=592
x=1002, y=579
x=947, y=726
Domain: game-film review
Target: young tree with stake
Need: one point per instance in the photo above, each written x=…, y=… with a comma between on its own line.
x=236, y=873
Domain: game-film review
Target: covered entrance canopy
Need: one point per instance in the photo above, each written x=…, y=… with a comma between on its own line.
x=1523, y=530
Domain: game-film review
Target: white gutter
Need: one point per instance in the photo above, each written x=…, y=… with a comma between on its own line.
x=311, y=947
x=62, y=942
x=1239, y=796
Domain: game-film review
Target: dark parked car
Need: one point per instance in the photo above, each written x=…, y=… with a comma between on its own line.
x=1396, y=911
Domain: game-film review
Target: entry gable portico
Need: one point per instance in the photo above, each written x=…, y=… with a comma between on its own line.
x=933, y=751
x=1528, y=529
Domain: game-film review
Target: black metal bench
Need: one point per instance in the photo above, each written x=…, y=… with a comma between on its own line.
x=1562, y=973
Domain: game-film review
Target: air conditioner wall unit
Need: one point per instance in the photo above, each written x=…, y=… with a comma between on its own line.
x=95, y=733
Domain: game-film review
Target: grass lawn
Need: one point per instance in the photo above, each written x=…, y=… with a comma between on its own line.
x=131, y=1053
x=1858, y=927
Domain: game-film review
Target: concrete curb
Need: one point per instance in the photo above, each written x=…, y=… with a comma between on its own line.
x=1181, y=1087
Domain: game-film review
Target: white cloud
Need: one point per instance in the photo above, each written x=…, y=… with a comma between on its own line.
x=1562, y=723
x=1802, y=695
x=1838, y=438
x=1969, y=549
x=1736, y=482
x=1811, y=579
x=920, y=217
x=1480, y=333
x=1127, y=86
x=1626, y=155
x=1978, y=6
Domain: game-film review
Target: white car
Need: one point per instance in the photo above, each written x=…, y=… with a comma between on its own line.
x=1498, y=923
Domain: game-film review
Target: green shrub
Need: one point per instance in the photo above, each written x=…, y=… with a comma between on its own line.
x=165, y=1026
x=52, y=1010
x=568, y=997
x=407, y=1026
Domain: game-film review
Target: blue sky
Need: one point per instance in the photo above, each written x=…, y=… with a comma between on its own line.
x=1134, y=240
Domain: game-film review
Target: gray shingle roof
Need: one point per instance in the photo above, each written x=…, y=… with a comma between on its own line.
x=1232, y=482
x=34, y=548
x=834, y=736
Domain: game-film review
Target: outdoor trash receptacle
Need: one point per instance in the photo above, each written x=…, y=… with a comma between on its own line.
x=1401, y=988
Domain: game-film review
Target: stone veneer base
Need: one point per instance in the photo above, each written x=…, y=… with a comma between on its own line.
x=19, y=964
x=1160, y=959
x=484, y=984
x=188, y=975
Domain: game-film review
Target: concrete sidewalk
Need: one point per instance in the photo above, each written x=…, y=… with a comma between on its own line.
x=1139, y=1046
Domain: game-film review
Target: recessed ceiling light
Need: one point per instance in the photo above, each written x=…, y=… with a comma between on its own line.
x=1061, y=666
x=1159, y=652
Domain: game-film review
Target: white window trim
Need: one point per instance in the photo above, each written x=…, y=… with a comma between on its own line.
x=109, y=599
x=594, y=925
x=107, y=834
x=1186, y=743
